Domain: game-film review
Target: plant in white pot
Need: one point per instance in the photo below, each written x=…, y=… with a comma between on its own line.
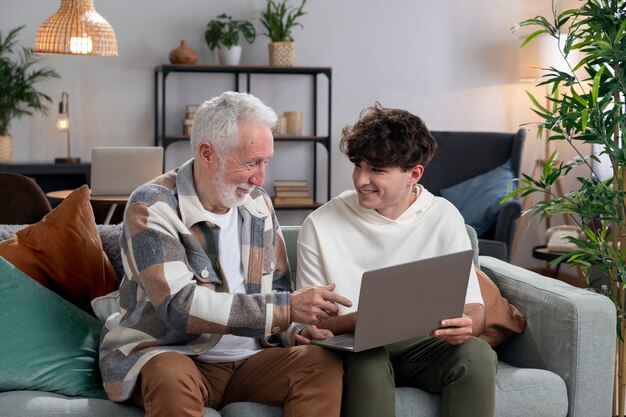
x=279, y=19
x=223, y=33
x=18, y=95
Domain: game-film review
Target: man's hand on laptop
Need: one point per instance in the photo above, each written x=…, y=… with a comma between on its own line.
x=312, y=333
x=311, y=305
x=455, y=331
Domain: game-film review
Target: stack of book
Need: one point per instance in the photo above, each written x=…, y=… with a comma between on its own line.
x=292, y=193
x=190, y=113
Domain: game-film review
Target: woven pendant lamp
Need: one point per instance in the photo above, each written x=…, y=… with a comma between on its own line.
x=76, y=29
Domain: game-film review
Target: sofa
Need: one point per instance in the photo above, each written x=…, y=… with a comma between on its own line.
x=560, y=365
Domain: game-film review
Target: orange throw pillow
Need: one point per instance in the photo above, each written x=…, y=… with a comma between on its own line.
x=63, y=252
x=502, y=318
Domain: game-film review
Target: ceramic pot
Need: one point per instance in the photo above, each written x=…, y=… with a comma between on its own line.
x=183, y=54
x=6, y=149
x=230, y=56
x=282, y=54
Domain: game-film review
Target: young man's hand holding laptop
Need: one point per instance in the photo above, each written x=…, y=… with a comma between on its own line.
x=420, y=298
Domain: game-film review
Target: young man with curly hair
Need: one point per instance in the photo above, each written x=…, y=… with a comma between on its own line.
x=389, y=218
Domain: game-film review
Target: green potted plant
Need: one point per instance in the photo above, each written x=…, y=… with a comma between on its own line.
x=588, y=109
x=279, y=19
x=223, y=33
x=18, y=94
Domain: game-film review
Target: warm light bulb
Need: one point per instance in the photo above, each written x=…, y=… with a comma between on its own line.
x=63, y=122
x=81, y=45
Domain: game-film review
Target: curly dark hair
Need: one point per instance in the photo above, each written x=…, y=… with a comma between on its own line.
x=385, y=137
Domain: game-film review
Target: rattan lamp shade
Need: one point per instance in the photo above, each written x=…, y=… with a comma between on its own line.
x=76, y=29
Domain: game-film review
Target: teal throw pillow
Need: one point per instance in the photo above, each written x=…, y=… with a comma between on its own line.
x=48, y=344
x=478, y=199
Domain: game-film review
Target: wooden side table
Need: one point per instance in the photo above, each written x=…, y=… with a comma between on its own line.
x=542, y=252
x=113, y=200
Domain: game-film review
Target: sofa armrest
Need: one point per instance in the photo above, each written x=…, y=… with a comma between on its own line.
x=569, y=331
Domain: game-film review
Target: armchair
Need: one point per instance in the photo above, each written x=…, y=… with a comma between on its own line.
x=461, y=156
x=23, y=201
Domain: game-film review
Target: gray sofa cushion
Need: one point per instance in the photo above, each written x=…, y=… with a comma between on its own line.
x=519, y=393
x=40, y=403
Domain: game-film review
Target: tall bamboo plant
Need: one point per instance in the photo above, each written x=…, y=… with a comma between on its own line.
x=588, y=109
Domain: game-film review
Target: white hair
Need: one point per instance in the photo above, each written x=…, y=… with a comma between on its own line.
x=217, y=120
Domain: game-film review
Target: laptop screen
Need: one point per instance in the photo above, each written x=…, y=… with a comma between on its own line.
x=120, y=170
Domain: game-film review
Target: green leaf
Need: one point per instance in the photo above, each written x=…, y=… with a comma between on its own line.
x=536, y=103
x=533, y=36
x=596, y=85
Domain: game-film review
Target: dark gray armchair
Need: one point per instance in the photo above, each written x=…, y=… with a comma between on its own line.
x=461, y=156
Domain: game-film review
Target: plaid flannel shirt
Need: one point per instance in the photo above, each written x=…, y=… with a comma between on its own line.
x=173, y=297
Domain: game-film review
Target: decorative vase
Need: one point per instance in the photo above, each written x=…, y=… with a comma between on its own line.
x=230, y=56
x=282, y=54
x=294, y=122
x=6, y=149
x=183, y=54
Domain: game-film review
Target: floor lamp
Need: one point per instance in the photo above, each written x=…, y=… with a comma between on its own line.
x=541, y=52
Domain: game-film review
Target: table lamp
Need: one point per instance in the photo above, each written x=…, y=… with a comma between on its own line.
x=63, y=125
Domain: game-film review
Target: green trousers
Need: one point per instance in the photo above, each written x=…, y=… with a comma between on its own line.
x=464, y=375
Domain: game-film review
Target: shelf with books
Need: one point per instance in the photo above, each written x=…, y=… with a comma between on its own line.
x=164, y=136
x=292, y=193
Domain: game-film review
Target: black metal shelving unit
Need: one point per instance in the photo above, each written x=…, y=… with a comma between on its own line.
x=163, y=138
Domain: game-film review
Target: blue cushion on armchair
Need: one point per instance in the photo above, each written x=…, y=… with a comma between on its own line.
x=478, y=199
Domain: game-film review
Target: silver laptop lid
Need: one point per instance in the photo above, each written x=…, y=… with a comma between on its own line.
x=119, y=170
x=410, y=300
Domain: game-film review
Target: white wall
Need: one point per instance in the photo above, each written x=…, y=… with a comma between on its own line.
x=451, y=62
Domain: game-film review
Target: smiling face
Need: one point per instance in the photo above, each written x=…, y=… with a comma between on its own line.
x=389, y=149
x=388, y=190
x=225, y=181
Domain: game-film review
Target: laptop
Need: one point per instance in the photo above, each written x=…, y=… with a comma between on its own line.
x=406, y=301
x=120, y=170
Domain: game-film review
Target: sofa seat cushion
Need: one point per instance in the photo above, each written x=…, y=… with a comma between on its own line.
x=251, y=409
x=46, y=404
x=520, y=392
x=529, y=392
x=39, y=403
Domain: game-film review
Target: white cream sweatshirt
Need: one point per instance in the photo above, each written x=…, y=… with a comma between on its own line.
x=341, y=240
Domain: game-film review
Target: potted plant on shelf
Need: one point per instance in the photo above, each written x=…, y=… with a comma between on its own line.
x=223, y=33
x=279, y=19
x=588, y=109
x=18, y=95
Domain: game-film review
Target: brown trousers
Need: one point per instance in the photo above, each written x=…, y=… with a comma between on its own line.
x=306, y=380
